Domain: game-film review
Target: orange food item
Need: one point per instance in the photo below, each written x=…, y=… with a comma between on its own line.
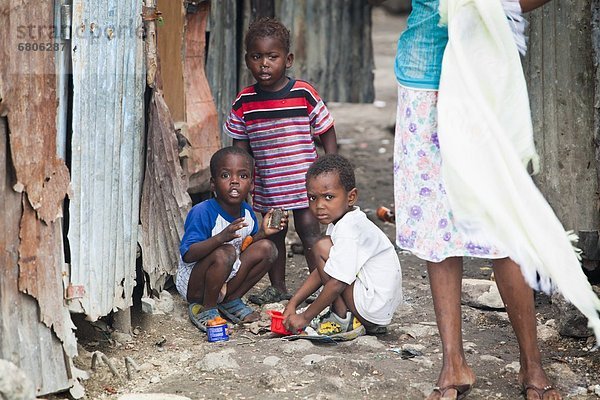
x=216, y=321
x=247, y=242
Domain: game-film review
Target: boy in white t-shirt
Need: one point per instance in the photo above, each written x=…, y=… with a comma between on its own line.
x=356, y=262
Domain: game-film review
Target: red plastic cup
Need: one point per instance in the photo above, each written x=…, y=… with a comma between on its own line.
x=277, y=323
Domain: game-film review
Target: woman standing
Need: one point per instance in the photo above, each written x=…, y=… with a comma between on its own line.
x=424, y=221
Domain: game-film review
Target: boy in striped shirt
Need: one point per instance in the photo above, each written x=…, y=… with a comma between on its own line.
x=276, y=120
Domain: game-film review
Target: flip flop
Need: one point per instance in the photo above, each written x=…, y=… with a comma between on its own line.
x=270, y=295
x=539, y=391
x=236, y=310
x=461, y=390
x=200, y=316
x=322, y=339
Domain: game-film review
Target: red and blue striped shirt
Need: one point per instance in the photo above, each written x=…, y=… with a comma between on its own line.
x=279, y=127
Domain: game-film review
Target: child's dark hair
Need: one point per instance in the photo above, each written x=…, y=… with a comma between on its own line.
x=268, y=27
x=334, y=163
x=219, y=155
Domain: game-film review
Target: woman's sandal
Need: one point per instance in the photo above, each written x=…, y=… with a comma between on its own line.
x=539, y=391
x=461, y=390
x=237, y=311
x=270, y=295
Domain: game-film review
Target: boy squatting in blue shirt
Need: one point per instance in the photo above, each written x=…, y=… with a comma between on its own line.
x=213, y=272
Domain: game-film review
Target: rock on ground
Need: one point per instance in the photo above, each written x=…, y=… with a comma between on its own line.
x=481, y=293
x=14, y=384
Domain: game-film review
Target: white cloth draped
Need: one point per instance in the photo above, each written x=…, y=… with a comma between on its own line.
x=486, y=142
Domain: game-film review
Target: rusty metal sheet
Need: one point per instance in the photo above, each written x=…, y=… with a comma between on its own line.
x=107, y=133
x=41, y=262
x=170, y=50
x=202, y=131
x=28, y=98
x=165, y=202
x=24, y=339
x=37, y=332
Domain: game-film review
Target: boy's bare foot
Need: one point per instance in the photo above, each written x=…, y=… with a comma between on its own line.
x=536, y=385
x=255, y=316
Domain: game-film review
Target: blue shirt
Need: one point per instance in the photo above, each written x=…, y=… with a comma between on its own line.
x=207, y=219
x=421, y=47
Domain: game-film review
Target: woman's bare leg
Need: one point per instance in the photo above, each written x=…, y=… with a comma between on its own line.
x=518, y=298
x=445, y=279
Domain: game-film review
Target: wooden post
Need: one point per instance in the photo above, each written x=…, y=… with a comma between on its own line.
x=149, y=16
x=560, y=70
x=593, y=248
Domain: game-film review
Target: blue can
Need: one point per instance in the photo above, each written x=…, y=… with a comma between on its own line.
x=217, y=333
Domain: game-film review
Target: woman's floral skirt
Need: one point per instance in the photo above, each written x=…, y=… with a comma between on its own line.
x=424, y=221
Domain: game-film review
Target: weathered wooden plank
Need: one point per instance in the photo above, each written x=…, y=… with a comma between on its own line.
x=170, y=49
x=596, y=62
x=561, y=82
x=107, y=123
x=203, y=132
x=165, y=202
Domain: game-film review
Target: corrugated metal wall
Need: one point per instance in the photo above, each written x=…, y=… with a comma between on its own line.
x=165, y=202
x=36, y=332
x=331, y=41
x=24, y=339
x=223, y=57
x=108, y=93
x=332, y=45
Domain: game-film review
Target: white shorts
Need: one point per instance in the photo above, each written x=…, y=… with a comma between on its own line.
x=185, y=270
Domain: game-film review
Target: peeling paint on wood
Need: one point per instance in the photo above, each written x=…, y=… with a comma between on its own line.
x=108, y=93
x=165, y=202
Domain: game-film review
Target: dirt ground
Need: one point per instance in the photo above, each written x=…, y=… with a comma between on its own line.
x=175, y=358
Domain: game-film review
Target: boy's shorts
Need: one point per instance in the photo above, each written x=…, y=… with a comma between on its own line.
x=185, y=270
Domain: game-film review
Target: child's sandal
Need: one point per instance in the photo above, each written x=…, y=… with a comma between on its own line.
x=237, y=311
x=200, y=316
